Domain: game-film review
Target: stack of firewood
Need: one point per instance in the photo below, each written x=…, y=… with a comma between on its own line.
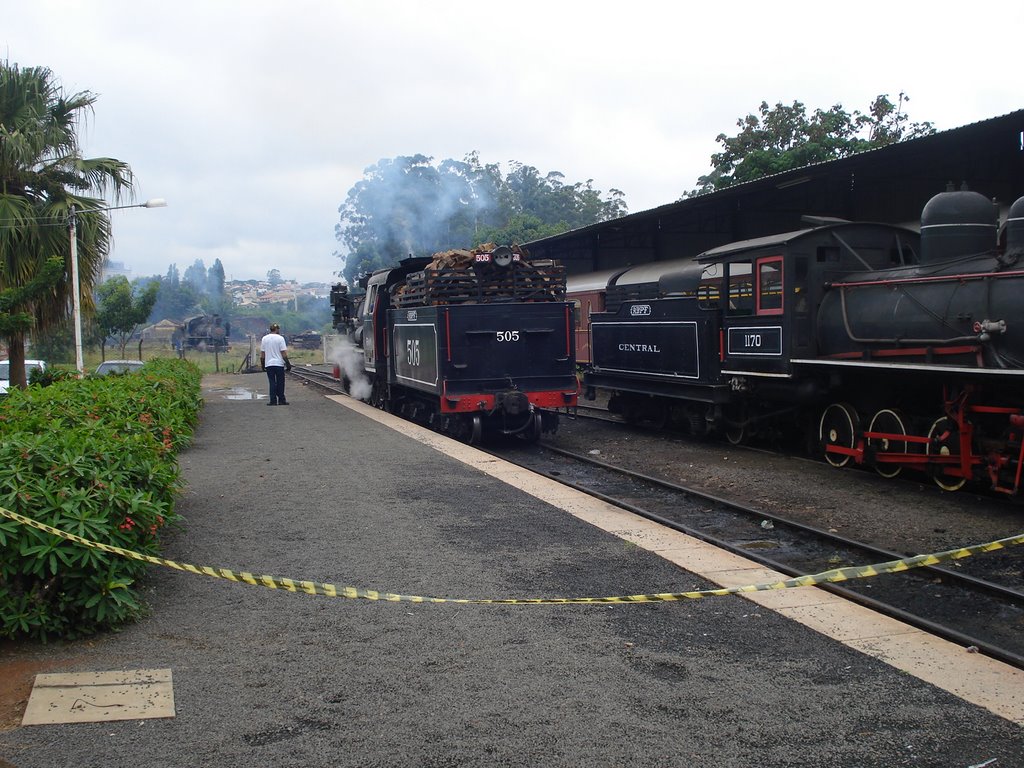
x=455, y=277
x=462, y=258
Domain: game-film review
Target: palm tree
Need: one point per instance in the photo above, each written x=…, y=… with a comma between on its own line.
x=43, y=179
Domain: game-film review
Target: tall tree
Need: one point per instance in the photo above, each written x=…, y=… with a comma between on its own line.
x=173, y=278
x=43, y=179
x=521, y=228
x=215, y=283
x=13, y=319
x=123, y=309
x=176, y=299
x=196, y=274
x=782, y=137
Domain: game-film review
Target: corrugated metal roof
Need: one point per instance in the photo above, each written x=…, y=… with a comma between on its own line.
x=776, y=179
x=795, y=172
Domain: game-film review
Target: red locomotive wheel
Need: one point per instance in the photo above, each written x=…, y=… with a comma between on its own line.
x=888, y=422
x=944, y=440
x=838, y=427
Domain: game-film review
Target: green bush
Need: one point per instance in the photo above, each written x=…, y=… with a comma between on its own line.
x=50, y=376
x=95, y=457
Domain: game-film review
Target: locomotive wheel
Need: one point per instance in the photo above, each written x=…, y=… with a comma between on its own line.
x=697, y=423
x=632, y=413
x=476, y=429
x=838, y=426
x=736, y=434
x=660, y=416
x=533, y=430
x=735, y=427
x=379, y=396
x=944, y=440
x=890, y=422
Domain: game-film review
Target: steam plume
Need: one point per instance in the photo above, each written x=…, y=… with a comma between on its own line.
x=350, y=360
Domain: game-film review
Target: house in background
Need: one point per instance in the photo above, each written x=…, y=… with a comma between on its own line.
x=160, y=332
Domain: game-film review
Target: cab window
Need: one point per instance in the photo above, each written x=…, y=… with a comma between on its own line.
x=741, y=288
x=709, y=292
x=769, y=286
x=370, y=301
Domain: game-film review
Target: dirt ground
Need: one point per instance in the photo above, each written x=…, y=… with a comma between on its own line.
x=19, y=664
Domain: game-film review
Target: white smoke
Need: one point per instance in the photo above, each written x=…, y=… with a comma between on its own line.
x=349, y=359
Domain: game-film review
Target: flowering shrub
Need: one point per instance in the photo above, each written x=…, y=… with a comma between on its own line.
x=95, y=457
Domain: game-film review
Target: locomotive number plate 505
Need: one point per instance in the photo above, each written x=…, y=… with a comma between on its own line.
x=414, y=346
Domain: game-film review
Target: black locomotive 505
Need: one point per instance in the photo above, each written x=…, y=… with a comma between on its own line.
x=887, y=347
x=468, y=342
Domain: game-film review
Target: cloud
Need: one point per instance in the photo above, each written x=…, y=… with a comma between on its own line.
x=254, y=119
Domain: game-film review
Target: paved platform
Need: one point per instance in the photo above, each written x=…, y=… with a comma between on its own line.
x=330, y=491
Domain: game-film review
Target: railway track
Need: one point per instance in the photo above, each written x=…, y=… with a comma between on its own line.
x=973, y=611
x=318, y=377
x=977, y=612
x=597, y=413
x=601, y=414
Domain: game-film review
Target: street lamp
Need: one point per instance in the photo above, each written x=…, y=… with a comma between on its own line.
x=76, y=297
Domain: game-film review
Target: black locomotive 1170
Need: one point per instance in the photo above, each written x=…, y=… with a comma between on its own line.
x=468, y=342
x=887, y=347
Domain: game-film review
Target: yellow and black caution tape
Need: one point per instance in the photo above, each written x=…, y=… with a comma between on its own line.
x=354, y=593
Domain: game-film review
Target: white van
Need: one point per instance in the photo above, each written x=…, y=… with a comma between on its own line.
x=5, y=372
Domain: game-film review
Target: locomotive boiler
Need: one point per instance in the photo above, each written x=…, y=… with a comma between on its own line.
x=950, y=305
x=466, y=342
x=878, y=344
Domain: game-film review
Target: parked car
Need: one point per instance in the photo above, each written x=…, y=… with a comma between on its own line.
x=118, y=366
x=5, y=372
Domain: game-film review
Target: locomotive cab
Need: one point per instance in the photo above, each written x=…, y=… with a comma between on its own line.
x=373, y=311
x=768, y=291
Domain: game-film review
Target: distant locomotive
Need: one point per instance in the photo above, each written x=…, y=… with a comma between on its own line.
x=468, y=342
x=202, y=332
x=886, y=347
x=305, y=340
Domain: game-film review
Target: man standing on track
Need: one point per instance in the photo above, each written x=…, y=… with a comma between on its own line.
x=274, y=360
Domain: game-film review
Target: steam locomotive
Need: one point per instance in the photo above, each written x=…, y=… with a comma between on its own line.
x=879, y=345
x=202, y=332
x=469, y=343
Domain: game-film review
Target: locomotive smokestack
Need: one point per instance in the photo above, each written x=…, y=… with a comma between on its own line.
x=957, y=224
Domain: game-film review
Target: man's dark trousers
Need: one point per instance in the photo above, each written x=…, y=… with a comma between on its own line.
x=275, y=374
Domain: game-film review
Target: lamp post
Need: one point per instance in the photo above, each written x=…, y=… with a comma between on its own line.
x=76, y=294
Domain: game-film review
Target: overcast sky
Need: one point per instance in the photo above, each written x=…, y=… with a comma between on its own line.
x=254, y=119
